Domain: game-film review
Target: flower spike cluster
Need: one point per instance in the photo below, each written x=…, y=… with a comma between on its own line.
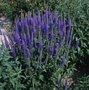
x=41, y=36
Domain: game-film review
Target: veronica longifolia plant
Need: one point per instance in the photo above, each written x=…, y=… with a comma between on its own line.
x=41, y=37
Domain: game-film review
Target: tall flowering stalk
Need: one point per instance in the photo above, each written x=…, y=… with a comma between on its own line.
x=0, y=32
x=41, y=37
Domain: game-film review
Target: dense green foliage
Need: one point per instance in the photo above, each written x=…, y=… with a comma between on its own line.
x=10, y=72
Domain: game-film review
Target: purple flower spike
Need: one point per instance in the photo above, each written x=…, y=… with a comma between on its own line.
x=17, y=26
x=52, y=50
x=27, y=27
x=40, y=44
x=22, y=20
x=55, y=17
x=11, y=39
x=46, y=29
x=13, y=51
x=24, y=49
x=61, y=26
x=35, y=21
x=57, y=46
x=32, y=41
x=0, y=32
x=43, y=28
x=52, y=35
x=69, y=41
x=47, y=16
x=17, y=38
x=64, y=28
x=46, y=22
x=27, y=57
x=6, y=42
x=27, y=52
x=70, y=38
x=77, y=44
x=51, y=22
x=39, y=18
x=49, y=13
x=57, y=49
x=63, y=62
x=25, y=38
x=46, y=61
x=70, y=24
x=29, y=19
x=28, y=38
x=34, y=29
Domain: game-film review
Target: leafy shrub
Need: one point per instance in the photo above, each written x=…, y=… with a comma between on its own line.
x=10, y=72
x=42, y=43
